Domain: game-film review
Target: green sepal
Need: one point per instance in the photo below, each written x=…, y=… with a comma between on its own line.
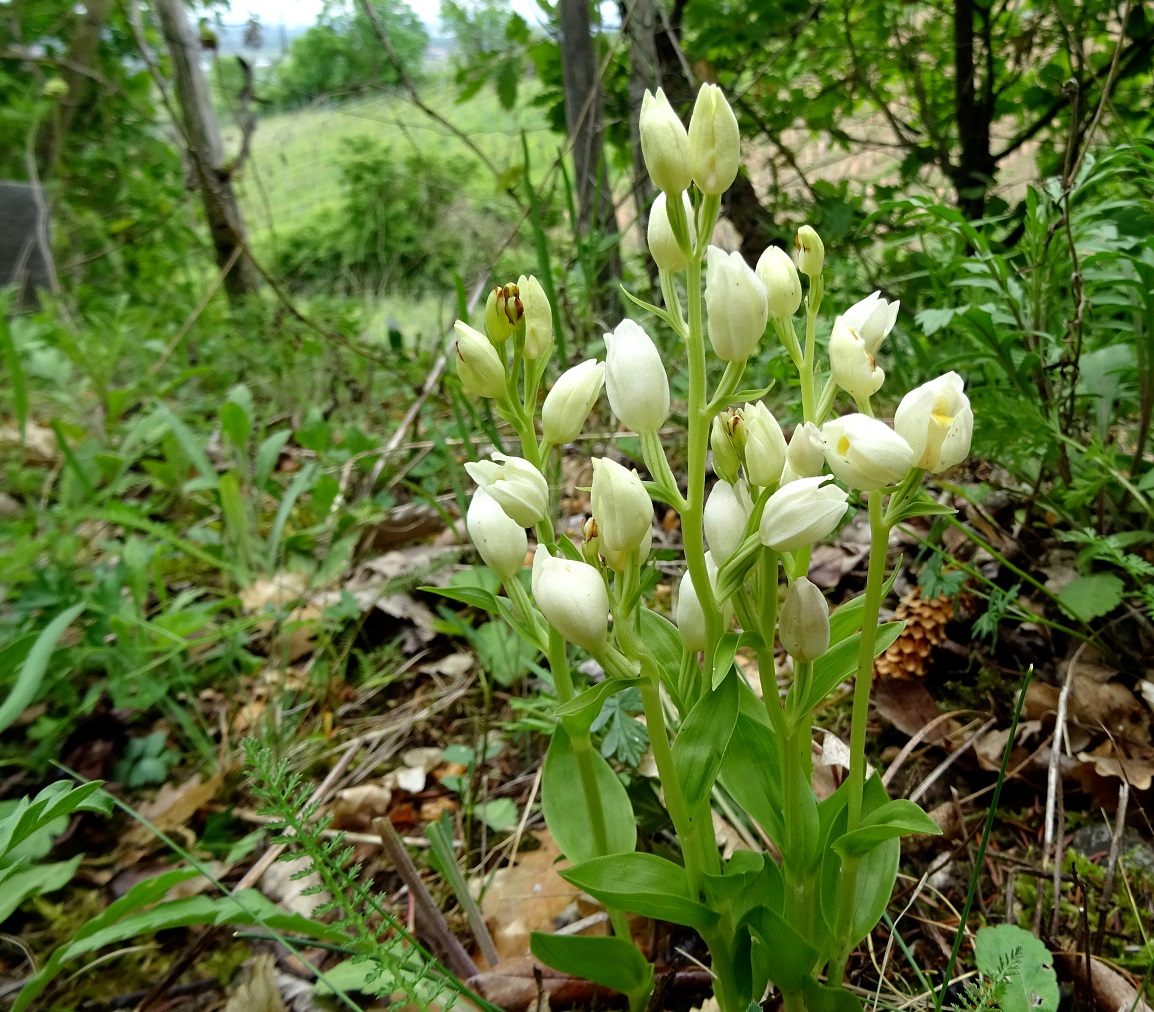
x=704, y=736
x=611, y=962
x=564, y=804
x=892, y=820
x=568, y=549
x=642, y=884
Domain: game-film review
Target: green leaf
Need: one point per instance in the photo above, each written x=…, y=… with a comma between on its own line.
x=500, y=814
x=894, y=819
x=877, y=873
x=1091, y=597
x=474, y=597
x=789, y=957
x=703, y=738
x=35, y=665
x=922, y=506
x=579, y=713
x=611, y=962
x=235, y=422
x=15, y=369
x=751, y=772
x=1031, y=983
x=642, y=884
x=35, y=881
x=267, y=455
x=564, y=805
x=820, y=998
x=662, y=643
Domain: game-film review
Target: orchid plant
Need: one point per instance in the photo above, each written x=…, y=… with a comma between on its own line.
x=787, y=920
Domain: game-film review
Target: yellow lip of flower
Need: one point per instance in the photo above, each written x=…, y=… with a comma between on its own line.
x=843, y=445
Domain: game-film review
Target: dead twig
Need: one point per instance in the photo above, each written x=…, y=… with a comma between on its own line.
x=457, y=959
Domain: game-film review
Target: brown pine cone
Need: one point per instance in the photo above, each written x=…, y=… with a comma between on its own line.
x=909, y=655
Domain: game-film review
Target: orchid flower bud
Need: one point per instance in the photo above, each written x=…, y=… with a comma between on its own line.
x=727, y=511
x=538, y=318
x=502, y=311
x=517, y=486
x=663, y=245
x=937, y=422
x=573, y=599
x=736, y=303
x=478, y=364
x=810, y=252
x=500, y=541
x=726, y=462
x=590, y=542
x=802, y=512
x=765, y=447
x=803, y=621
x=664, y=143
x=777, y=273
x=865, y=453
x=689, y=614
x=714, y=142
x=635, y=378
x=568, y=404
x=852, y=366
x=805, y=455
x=622, y=507
x=872, y=319
x=617, y=561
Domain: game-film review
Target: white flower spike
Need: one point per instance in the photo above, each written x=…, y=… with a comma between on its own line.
x=517, y=486
x=665, y=144
x=635, y=378
x=714, y=141
x=478, y=364
x=802, y=512
x=568, y=404
x=736, y=305
x=499, y=540
x=663, y=245
x=621, y=506
x=937, y=421
x=865, y=453
x=573, y=599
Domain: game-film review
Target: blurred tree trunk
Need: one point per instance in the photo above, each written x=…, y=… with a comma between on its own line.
x=640, y=19
x=584, y=120
x=75, y=72
x=973, y=174
x=202, y=138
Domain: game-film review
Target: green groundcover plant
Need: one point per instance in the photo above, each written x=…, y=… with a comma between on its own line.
x=747, y=547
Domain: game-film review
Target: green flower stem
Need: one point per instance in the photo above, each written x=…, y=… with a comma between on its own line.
x=688, y=830
x=766, y=670
x=875, y=579
x=812, y=305
x=692, y=529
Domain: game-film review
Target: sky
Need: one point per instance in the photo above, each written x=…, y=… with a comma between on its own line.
x=304, y=12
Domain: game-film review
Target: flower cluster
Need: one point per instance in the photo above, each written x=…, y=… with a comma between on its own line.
x=770, y=500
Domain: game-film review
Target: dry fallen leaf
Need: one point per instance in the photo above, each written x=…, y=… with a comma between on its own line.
x=260, y=992
x=174, y=806
x=526, y=897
